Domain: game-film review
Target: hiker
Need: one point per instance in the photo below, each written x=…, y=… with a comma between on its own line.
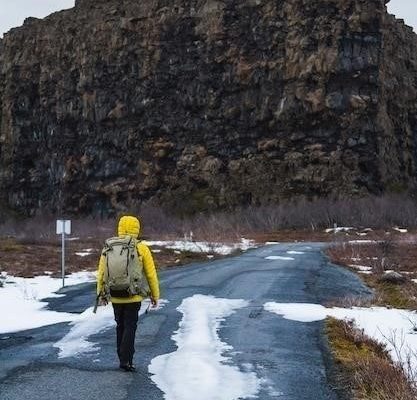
x=127, y=275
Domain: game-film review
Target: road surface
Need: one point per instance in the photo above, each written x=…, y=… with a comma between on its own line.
x=290, y=356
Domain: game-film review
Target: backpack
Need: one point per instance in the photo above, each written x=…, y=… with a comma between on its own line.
x=123, y=270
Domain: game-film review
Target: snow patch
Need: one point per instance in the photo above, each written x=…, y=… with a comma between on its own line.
x=75, y=343
x=362, y=268
x=280, y=258
x=205, y=247
x=401, y=230
x=362, y=241
x=387, y=326
x=339, y=229
x=295, y=252
x=198, y=369
x=22, y=305
x=84, y=252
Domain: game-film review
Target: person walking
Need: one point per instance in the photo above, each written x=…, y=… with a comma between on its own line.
x=127, y=275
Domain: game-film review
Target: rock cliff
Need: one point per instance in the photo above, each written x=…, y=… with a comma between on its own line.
x=203, y=104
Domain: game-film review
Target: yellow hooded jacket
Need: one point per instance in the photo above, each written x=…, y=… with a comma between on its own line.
x=130, y=226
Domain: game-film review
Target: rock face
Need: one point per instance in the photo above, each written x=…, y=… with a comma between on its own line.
x=202, y=104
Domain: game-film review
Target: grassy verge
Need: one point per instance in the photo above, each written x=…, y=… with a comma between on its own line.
x=374, y=261
x=365, y=366
x=367, y=372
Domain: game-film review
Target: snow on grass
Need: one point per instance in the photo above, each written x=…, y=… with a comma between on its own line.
x=362, y=269
x=339, y=229
x=76, y=342
x=84, y=252
x=198, y=369
x=401, y=230
x=204, y=247
x=362, y=241
x=22, y=305
x=392, y=327
x=283, y=258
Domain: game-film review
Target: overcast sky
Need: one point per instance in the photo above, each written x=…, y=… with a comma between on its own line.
x=13, y=12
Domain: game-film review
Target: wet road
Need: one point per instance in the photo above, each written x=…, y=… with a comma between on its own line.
x=290, y=357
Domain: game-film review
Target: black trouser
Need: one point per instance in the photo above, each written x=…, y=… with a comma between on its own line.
x=126, y=316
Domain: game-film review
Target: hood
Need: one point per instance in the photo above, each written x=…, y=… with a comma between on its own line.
x=129, y=226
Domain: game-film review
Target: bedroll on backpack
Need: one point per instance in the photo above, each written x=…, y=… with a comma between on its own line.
x=123, y=272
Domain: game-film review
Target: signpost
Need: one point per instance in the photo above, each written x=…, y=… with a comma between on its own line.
x=63, y=227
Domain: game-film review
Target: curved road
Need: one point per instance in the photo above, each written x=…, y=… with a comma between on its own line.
x=290, y=356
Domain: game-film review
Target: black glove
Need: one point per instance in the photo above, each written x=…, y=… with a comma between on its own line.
x=103, y=301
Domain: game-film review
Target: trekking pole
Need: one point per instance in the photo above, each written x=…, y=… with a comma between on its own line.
x=96, y=304
x=148, y=308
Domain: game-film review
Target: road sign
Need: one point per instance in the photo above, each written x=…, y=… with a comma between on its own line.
x=63, y=226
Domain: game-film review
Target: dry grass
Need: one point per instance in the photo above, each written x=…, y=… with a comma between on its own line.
x=367, y=371
x=28, y=258
x=397, y=254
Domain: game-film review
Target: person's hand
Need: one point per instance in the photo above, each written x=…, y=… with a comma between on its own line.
x=154, y=303
x=103, y=301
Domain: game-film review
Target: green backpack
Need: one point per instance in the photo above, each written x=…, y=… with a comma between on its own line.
x=123, y=270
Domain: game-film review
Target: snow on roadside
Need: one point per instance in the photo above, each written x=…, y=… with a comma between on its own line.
x=283, y=258
x=392, y=327
x=84, y=252
x=204, y=247
x=22, y=305
x=24, y=308
x=198, y=369
x=339, y=229
x=76, y=342
x=362, y=269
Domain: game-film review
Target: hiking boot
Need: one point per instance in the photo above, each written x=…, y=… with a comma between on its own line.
x=127, y=367
x=132, y=368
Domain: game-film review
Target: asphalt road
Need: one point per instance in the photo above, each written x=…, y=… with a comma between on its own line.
x=291, y=356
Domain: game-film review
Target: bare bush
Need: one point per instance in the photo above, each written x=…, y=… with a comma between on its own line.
x=370, y=212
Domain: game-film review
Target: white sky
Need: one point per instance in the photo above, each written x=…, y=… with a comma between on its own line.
x=13, y=12
x=405, y=9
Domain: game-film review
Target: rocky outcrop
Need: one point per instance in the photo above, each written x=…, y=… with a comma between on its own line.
x=201, y=104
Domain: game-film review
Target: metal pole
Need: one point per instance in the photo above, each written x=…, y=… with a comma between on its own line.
x=63, y=256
